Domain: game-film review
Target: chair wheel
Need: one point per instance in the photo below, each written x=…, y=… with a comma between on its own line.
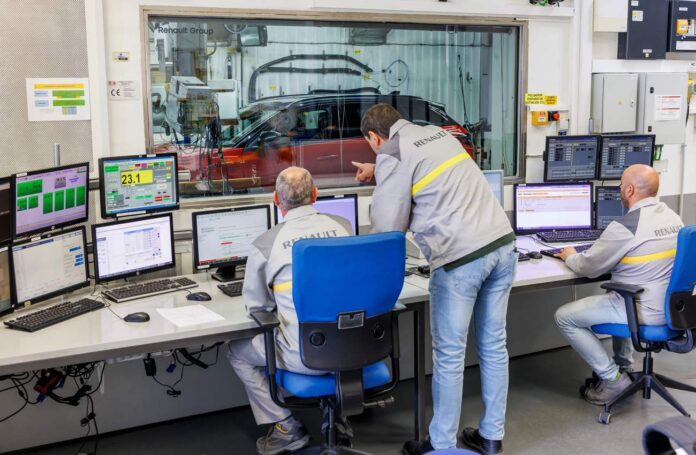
x=605, y=418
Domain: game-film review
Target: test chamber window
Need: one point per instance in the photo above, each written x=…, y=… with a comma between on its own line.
x=240, y=100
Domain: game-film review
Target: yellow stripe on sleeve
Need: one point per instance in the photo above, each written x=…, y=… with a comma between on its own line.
x=432, y=175
x=280, y=287
x=649, y=257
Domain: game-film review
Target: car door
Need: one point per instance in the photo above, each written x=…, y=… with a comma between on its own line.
x=317, y=143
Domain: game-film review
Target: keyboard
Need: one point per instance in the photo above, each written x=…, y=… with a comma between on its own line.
x=553, y=251
x=140, y=290
x=575, y=235
x=233, y=289
x=53, y=315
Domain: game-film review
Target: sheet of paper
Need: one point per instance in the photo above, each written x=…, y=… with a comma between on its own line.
x=58, y=99
x=189, y=315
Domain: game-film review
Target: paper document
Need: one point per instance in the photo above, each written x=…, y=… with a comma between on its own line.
x=189, y=315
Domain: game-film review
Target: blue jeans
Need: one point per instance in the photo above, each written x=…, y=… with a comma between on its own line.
x=481, y=288
x=575, y=320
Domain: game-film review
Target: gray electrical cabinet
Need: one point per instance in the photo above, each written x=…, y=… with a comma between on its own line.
x=614, y=102
x=662, y=106
x=647, y=29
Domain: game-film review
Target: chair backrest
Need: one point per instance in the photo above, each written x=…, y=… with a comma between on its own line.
x=344, y=290
x=680, y=302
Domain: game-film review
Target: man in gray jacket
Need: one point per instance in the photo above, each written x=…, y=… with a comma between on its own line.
x=426, y=182
x=268, y=287
x=638, y=248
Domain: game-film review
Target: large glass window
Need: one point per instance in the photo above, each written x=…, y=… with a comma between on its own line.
x=240, y=100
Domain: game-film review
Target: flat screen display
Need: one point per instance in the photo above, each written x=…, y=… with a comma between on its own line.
x=546, y=207
x=345, y=206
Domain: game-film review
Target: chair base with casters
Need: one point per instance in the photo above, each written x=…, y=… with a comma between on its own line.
x=648, y=340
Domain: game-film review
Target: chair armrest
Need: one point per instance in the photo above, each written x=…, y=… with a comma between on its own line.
x=622, y=288
x=628, y=292
x=267, y=320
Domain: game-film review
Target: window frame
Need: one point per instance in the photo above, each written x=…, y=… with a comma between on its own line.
x=406, y=18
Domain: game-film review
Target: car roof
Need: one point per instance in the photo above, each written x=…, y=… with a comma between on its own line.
x=285, y=101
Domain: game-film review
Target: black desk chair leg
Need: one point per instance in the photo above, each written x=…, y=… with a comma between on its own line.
x=661, y=390
x=672, y=384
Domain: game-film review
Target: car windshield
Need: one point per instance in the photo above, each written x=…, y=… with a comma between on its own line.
x=250, y=119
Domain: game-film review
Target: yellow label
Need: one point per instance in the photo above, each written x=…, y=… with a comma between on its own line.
x=533, y=98
x=357, y=51
x=136, y=177
x=58, y=86
x=682, y=26
x=273, y=88
x=550, y=99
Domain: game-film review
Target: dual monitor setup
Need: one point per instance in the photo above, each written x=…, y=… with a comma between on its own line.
x=565, y=201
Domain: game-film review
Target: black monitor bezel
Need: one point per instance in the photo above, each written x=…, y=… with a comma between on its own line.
x=613, y=136
x=52, y=227
x=56, y=293
x=534, y=231
x=95, y=253
x=6, y=246
x=194, y=231
x=597, y=139
x=102, y=189
x=327, y=197
x=11, y=204
x=596, y=202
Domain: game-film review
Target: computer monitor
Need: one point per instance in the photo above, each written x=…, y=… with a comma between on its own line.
x=131, y=247
x=49, y=266
x=608, y=205
x=5, y=286
x=496, y=180
x=345, y=206
x=619, y=152
x=552, y=206
x=223, y=238
x=5, y=211
x=142, y=183
x=571, y=158
x=50, y=198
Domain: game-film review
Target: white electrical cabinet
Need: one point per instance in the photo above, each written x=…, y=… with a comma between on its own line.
x=614, y=102
x=662, y=106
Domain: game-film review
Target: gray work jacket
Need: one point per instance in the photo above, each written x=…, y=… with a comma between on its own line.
x=268, y=277
x=426, y=182
x=638, y=248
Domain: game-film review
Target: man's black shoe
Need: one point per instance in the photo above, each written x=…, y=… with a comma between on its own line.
x=471, y=438
x=417, y=447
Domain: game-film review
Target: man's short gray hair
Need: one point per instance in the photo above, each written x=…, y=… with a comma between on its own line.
x=294, y=187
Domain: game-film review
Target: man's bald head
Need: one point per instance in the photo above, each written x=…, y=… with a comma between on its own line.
x=294, y=188
x=639, y=182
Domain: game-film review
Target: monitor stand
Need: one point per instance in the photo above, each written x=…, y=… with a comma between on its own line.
x=226, y=274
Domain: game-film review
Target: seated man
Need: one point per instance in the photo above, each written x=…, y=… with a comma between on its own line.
x=638, y=248
x=268, y=287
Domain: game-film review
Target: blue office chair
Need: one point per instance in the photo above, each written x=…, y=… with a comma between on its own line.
x=344, y=291
x=675, y=336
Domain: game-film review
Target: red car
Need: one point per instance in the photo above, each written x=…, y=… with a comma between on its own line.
x=318, y=132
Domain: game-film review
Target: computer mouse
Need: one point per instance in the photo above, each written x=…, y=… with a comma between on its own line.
x=199, y=296
x=140, y=316
x=534, y=255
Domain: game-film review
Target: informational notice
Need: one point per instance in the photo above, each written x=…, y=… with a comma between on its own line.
x=57, y=99
x=668, y=107
x=123, y=90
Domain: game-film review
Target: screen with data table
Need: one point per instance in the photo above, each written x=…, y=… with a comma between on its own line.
x=50, y=198
x=552, y=206
x=5, y=211
x=225, y=237
x=128, y=248
x=144, y=183
x=46, y=267
x=571, y=158
x=608, y=205
x=620, y=152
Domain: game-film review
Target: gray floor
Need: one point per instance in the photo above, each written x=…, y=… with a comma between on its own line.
x=545, y=416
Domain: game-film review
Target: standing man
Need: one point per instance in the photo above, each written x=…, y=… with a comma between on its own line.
x=268, y=287
x=426, y=182
x=638, y=248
